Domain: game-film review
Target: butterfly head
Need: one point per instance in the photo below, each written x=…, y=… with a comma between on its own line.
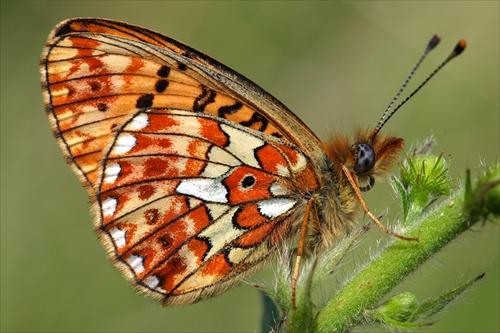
x=368, y=157
x=373, y=157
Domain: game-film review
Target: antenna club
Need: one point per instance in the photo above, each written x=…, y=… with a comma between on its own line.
x=460, y=46
x=433, y=42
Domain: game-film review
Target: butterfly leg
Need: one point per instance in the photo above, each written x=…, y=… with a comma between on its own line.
x=300, y=251
x=367, y=211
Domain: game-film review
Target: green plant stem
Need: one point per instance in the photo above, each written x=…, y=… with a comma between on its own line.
x=392, y=265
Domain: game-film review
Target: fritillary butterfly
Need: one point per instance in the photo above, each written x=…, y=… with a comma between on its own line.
x=196, y=174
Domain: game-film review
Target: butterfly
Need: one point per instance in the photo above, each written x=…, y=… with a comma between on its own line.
x=197, y=176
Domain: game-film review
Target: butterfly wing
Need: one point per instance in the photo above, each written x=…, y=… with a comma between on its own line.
x=196, y=173
x=184, y=211
x=96, y=74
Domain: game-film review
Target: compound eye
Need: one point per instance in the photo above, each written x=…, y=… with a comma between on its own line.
x=365, y=159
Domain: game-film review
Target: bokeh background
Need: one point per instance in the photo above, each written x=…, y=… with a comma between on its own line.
x=335, y=64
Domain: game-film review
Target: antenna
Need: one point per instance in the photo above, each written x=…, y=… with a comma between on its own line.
x=431, y=45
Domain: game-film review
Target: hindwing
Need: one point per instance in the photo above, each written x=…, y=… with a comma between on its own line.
x=186, y=210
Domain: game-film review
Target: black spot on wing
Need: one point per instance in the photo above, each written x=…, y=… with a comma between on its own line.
x=161, y=85
x=164, y=71
x=102, y=107
x=145, y=101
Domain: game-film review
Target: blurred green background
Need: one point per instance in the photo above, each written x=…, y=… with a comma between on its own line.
x=335, y=64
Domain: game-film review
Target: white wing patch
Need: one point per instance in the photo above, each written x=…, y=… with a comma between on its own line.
x=124, y=144
x=109, y=206
x=111, y=173
x=153, y=282
x=118, y=236
x=206, y=189
x=275, y=207
x=139, y=122
x=136, y=263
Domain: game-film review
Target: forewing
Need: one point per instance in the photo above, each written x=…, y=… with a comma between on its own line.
x=98, y=74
